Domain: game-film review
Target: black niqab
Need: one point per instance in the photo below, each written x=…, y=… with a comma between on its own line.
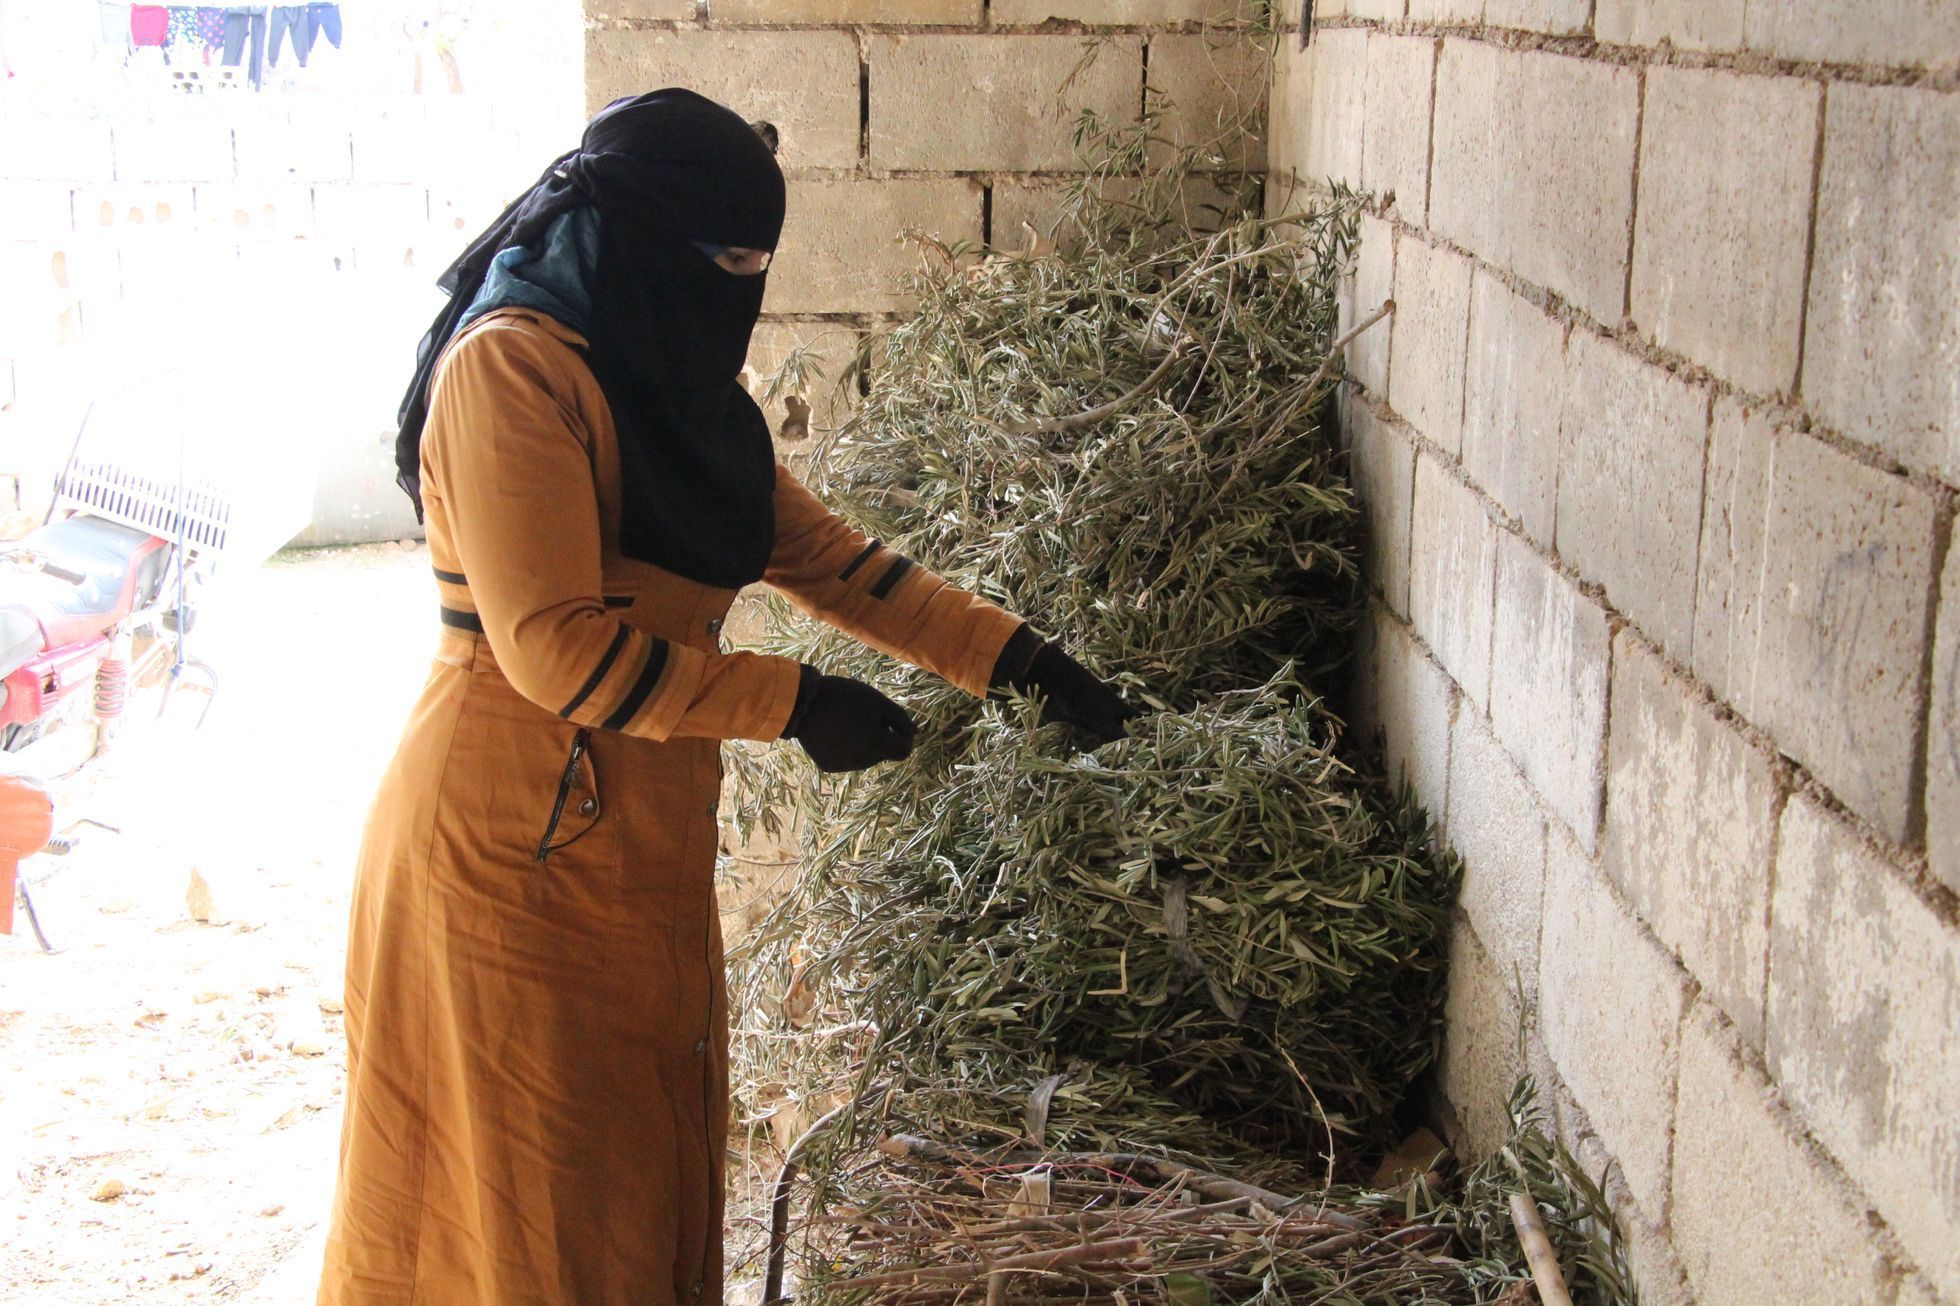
x=670, y=328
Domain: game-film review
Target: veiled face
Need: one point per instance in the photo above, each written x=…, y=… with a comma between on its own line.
x=737, y=260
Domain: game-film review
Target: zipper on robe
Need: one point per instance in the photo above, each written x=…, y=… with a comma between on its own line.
x=580, y=739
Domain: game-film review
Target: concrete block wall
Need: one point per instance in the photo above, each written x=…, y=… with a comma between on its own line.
x=266, y=242
x=952, y=118
x=1658, y=457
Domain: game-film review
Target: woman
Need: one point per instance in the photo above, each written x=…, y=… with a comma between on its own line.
x=537, y=1063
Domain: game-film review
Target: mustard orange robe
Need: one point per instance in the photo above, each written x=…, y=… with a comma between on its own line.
x=537, y=1073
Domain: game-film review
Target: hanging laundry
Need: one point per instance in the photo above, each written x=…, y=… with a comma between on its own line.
x=115, y=22
x=149, y=24
x=287, y=19
x=211, y=28
x=181, y=35
x=322, y=20
x=245, y=27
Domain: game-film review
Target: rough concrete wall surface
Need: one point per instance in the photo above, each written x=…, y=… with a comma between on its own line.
x=1659, y=456
x=953, y=118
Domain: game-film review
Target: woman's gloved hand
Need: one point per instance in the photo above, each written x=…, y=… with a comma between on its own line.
x=846, y=725
x=1071, y=693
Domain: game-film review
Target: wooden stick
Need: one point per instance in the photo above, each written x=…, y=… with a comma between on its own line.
x=1342, y=342
x=1125, y=1251
x=1091, y=415
x=772, y=1289
x=1164, y=1171
x=1538, y=1253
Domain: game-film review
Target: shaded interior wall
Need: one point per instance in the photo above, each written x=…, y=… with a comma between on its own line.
x=1659, y=455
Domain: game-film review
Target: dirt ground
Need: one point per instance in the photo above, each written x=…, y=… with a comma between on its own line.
x=199, y=1066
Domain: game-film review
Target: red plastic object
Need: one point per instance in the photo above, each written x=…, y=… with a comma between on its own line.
x=26, y=824
x=35, y=689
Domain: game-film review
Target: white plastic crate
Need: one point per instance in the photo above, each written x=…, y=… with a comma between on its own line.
x=168, y=456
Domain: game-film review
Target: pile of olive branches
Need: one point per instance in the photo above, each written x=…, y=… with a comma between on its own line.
x=1212, y=939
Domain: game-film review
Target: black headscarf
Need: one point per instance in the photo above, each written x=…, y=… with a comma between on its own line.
x=670, y=328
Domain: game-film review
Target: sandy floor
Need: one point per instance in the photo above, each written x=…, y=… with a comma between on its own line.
x=198, y=1066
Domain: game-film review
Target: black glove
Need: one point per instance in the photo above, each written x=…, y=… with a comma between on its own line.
x=846, y=725
x=1070, y=691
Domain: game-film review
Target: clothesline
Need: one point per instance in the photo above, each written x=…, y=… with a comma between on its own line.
x=252, y=35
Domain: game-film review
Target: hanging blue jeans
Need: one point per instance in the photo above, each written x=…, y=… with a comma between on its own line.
x=322, y=20
x=244, y=25
x=287, y=19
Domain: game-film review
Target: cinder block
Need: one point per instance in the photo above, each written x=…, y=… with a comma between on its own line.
x=825, y=349
x=396, y=144
x=1550, y=648
x=1690, y=826
x=1446, y=11
x=1012, y=114
x=1882, y=350
x=1943, y=736
x=1395, y=151
x=844, y=248
x=165, y=268
x=665, y=10
x=1684, y=24
x=1864, y=996
x=1718, y=252
x=1360, y=295
x=1813, y=612
x=56, y=147
x=308, y=149
x=1495, y=822
x=371, y=213
x=136, y=211
x=171, y=150
x=37, y=299
x=1214, y=95
x=1534, y=156
x=243, y=212
x=1318, y=99
x=1481, y=1061
x=1432, y=314
x=806, y=83
x=1806, y=1238
x=86, y=265
x=1906, y=32
x=1384, y=11
x=1610, y=1006
x=1124, y=12
x=920, y=12
x=1406, y=699
x=1629, y=490
x=1558, y=17
x=1382, y=468
x=1513, y=387
x=1656, y=1270
x=1452, y=567
x=34, y=210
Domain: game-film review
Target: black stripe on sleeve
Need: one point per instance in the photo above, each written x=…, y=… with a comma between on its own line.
x=642, y=688
x=450, y=577
x=598, y=673
x=893, y=574
x=460, y=620
x=858, y=561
